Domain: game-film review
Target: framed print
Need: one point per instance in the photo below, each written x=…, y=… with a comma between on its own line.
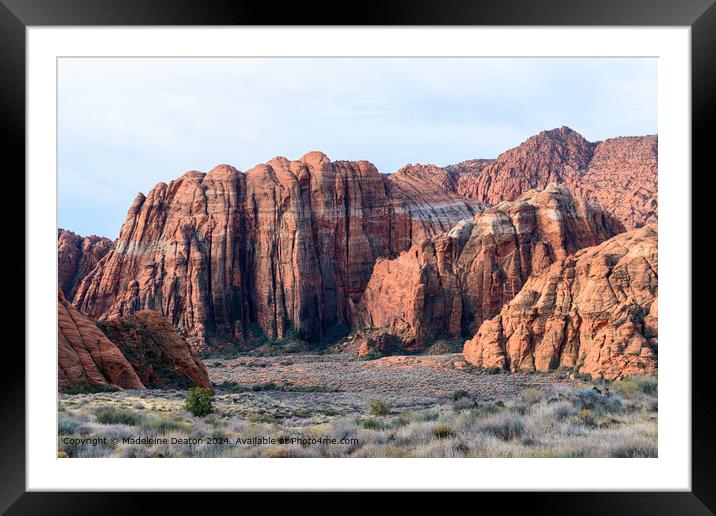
x=416, y=252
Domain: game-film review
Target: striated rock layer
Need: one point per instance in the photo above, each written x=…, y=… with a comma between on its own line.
x=136, y=352
x=619, y=174
x=287, y=247
x=86, y=357
x=76, y=257
x=159, y=355
x=448, y=285
x=595, y=310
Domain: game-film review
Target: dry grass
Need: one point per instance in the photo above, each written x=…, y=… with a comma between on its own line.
x=320, y=406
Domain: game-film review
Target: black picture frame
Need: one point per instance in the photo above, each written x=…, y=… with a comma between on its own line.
x=17, y=15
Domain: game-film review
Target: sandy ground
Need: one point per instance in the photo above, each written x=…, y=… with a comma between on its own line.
x=319, y=387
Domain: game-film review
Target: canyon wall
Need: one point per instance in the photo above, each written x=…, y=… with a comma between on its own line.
x=288, y=247
x=446, y=286
x=620, y=174
x=595, y=310
x=76, y=257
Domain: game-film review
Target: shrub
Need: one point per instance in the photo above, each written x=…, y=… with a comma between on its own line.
x=117, y=416
x=426, y=415
x=373, y=423
x=531, y=395
x=442, y=431
x=463, y=404
x=86, y=388
x=379, y=408
x=460, y=393
x=480, y=410
x=587, y=417
x=163, y=425
x=597, y=401
x=506, y=426
x=67, y=426
x=260, y=417
x=493, y=370
x=632, y=384
x=198, y=401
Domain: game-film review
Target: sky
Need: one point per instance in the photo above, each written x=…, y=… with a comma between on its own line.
x=126, y=124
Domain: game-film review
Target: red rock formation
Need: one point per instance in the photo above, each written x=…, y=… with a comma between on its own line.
x=289, y=246
x=622, y=177
x=159, y=355
x=461, y=179
x=595, y=310
x=86, y=357
x=619, y=174
x=453, y=282
x=76, y=257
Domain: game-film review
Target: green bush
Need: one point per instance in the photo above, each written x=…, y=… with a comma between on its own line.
x=117, y=416
x=198, y=401
x=463, y=404
x=460, y=393
x=379, y=408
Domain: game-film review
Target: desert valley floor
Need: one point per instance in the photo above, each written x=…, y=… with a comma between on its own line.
x=334, y=405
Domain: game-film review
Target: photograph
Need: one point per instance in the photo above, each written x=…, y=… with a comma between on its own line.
x=357, y=257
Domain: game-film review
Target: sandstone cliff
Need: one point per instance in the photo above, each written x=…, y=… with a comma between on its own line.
x=76, y=257
x=448, y=285
x=619, y=174
x=595, y=310
x=287, y=247
x=86, y=357
x=159, y=355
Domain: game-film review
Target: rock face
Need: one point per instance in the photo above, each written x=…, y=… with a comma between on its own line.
x=460, y=179
x=448, y=285
x=288, y=247
x=159, y=355
x=619, y=174
x=622, y=177
x=595, y=310
x=76, y=257
x=137, y=352
x=86, y=357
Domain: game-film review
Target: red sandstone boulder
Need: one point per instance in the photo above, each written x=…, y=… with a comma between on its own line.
x=595, y=310
x=86, y=357
x=159, y=355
